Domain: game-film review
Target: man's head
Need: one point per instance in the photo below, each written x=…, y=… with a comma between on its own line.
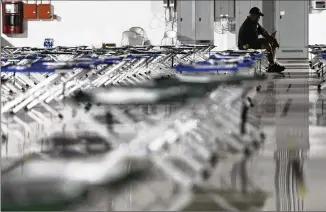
x=255, y=14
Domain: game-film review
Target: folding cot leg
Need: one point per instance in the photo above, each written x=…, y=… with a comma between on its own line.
x=322, y=80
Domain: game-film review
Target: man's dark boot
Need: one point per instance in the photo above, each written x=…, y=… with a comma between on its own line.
x=280, y=67
x=275, y=68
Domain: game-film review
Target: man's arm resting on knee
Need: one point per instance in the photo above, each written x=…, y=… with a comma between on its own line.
x=264, y=33
x=270, y=39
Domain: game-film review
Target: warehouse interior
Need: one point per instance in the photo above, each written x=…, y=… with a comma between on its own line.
x=154, y=105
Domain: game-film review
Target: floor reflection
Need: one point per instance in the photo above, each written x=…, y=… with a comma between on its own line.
x=299, y=181
x=292, y=138
x=318, y=112
x=290, y=184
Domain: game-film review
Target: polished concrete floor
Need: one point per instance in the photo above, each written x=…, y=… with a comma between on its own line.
x=295, y=123
x=293, y=118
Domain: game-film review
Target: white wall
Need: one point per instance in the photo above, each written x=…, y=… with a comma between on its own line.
x=91, y=23
x=94, y=22
x=317, y=29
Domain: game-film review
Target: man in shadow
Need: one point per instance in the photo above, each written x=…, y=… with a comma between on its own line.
x=248, y=39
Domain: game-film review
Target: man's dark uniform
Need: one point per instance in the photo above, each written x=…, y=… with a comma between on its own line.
x=248, y=35
x=249, y=32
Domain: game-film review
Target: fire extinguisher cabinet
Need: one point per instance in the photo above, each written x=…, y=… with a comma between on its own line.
x=12, y=17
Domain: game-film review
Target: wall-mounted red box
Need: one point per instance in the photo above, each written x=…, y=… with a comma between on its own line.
x=44, y=11
x=12, y=17
x=30, y=11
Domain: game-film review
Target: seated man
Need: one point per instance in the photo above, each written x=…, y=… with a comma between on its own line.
x=248, y=38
